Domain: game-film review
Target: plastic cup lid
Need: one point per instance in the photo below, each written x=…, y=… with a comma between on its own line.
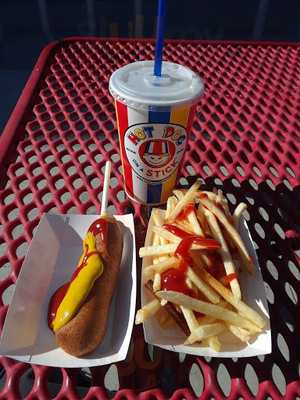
x=136, y=86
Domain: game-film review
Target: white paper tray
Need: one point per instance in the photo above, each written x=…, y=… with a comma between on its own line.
x=50, y=261
x=253, y=292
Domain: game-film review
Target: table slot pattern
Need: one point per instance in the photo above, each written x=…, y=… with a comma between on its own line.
x=244, y=140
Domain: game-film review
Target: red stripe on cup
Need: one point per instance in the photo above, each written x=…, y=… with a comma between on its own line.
x=122, y=120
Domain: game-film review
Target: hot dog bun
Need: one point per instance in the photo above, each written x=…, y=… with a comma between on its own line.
x=86, y=330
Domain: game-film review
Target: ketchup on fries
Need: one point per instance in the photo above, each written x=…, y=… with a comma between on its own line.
x=196, y=252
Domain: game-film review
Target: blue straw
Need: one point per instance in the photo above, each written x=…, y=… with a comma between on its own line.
x=161, y=12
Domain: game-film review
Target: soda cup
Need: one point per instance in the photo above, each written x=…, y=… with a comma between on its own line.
x=154, y=115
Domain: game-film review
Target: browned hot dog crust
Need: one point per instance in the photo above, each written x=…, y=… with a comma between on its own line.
x=87, y=329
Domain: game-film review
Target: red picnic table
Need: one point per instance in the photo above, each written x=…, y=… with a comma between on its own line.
x=245, y=140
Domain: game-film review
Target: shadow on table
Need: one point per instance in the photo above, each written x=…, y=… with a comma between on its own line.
x=274, y=222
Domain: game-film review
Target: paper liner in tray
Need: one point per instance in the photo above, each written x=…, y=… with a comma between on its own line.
x=52, y=256
x=253, y=292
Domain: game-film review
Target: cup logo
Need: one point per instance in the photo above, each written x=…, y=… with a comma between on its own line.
x=154, y=151
x=157, y=153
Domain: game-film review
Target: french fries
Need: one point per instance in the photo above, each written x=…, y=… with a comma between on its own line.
x=170, y=248
x=238, y=212
x=204, y=320
x=213, y=342
x=156, y=282
x=222, y=201
x=164, y=234
x=147, y=311
x=171, y=311
x=224, y=252
x=195, y=224
x=155, y=239
x=240, y=333
x=158, y=217
x=171, y=205
x=193, y=276
x=232, y=232
x=212, y=310
x=190, y=318
x=242, y=307
x=202, y=220
x=187, y=198
x=178, y=193
x=160, y=267
x=209, y=293
x=204, y=332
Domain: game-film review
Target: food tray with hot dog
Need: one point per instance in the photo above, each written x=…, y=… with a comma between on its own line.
x=74, y=317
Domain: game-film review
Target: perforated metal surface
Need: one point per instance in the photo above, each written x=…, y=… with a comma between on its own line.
x=245, y=140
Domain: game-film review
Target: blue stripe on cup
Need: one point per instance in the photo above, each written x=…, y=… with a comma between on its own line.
x=159, y=115
x=154, y=193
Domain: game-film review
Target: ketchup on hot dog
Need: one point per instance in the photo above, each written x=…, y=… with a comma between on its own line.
x=55, y=301
x=100, y=226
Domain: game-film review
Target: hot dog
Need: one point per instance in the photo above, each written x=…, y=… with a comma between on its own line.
x=79, y=320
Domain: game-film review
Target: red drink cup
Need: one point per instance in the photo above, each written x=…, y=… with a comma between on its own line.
x=154, y=115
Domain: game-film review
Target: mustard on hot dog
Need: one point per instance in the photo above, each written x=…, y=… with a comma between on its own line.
x=89, y=269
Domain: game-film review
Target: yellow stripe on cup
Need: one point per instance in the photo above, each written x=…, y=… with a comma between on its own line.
x=168, y=186
x=180, y=115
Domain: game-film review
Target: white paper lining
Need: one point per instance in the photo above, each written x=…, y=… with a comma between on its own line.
x=50, y=261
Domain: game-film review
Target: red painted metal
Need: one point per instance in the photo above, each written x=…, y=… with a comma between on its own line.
x=245, y=140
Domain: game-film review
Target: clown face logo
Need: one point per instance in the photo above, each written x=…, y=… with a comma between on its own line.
x=157, y=153
x=154, y=151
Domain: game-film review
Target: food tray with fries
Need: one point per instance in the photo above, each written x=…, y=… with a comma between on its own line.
x=52, y=156
x=201, y=279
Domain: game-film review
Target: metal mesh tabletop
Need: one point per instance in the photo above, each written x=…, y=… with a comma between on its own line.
x=245, y=139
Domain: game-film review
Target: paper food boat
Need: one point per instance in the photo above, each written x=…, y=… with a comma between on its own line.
x=253, y=292
x=50, y=261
